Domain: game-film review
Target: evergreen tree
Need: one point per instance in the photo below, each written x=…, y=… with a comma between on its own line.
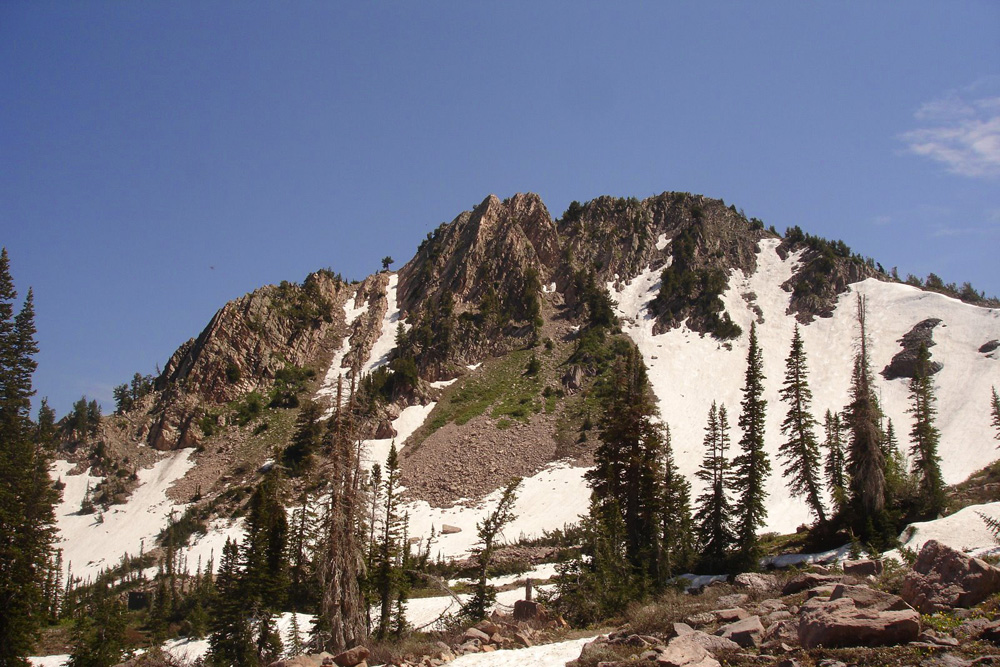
x=678, y=539
x=924, y=438
x=627, y=464
x=484, y=595
x=264, y=579
x=99, y=632
x=752, y=466
x=995, y=411
x=301, y=569
x=836, y=477
x=714, y=515
x=231, y=642
x=865, y=458
x=801, y=451
x=27, y=495
x=387, y=575
x=308, y=436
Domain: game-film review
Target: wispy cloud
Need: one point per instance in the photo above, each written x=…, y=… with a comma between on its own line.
x=961, y=131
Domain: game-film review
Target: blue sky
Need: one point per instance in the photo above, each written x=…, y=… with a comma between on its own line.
x=159, y=159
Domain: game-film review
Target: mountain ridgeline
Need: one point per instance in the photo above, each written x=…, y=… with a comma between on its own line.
x=474, y=290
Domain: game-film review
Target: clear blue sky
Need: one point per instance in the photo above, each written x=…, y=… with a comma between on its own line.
x=160, y=158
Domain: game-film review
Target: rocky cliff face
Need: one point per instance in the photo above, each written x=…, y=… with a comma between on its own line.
x=477, y=287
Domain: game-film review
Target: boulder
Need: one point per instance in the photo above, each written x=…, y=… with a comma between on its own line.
x=841, y=623
x=529, y=610
x=943, y=578
x=755, y=581
x=863, y=568
x=450, y=530
x=684, y=652
x=698, y=620
x=488, y=627
x=682, y=629
x=746, y=632
x=711, y=643
x=806, y=581
x=733, y=600
x=869, y=598
x=473, y=633
x=352, y=657
x=731, y=615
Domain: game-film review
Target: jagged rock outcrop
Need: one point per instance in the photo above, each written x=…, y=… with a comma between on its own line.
x=943, y=578
x=904, y=363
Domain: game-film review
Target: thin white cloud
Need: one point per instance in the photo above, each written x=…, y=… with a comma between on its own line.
x=960, y=131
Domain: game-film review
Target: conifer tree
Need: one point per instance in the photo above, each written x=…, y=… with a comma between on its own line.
x=341, y=621
x=924, y=438
x=264, y=579
x=865, y=458
x=301, y=570
x=27, y=495
x=714, y=514
x=488, y=530
x=836, y=477
x=752, y=466
x=627, y=463
x=99, y=632
x=801, y=451
x=386, y=573
x=231, y=641
x=678, y=539
x=995, y=411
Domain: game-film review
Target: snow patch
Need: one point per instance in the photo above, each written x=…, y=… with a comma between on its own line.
x=386, y=342
x=556, y=496
x=336, y=371
x=89, y=545
x=662, y=242
x=441, y=384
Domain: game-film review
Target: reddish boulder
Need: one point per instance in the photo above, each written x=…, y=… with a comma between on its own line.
x=943, y=578
x=841, y=623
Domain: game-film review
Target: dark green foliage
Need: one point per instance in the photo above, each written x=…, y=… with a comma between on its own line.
x=966, y=292
x=249, y=408
x=304, y=306
x=231, y=641
x=752, y=466
x=179, y=531
x=99, y=631
x=233, y=372
x=387, y=577
x=127, y=395
x=307, y=439
x=924, y=438
x=572, y=213
x=27, y=495
x=836, y=476
x=714, y=514
x=387, y=383
x=534, y=365
x=628, y=464
x=83, y=421
x=289, y=382
x=593, y=301
x=387, y=261
x=690, y=290
x=801, y=451
x=678, y=540
x=866, y=463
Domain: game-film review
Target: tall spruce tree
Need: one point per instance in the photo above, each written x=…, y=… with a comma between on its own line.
x=836, y=477
x=627, y=463
x=27, y=495
x=231, y=641
x=714, y=513
x=483, y=594
x=264, y=580
x=924, y=438
x=865, y=458
x=752, y=466
x=801, y=451
x=678, y=539
x=387, y=574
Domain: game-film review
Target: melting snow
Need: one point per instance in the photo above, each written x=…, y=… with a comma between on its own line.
x=335, y=371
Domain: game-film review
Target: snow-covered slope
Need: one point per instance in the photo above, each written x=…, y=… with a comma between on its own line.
x=688, y=371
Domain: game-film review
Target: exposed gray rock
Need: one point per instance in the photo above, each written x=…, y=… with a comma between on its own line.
x=863, y=568
x=755, y=581
x=685, y=652
x=869, y=598
x=806, y=581
x=904, y=364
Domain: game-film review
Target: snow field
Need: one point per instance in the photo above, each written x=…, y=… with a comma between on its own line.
x=89, y=546
x=688, y=371
x=546, y=655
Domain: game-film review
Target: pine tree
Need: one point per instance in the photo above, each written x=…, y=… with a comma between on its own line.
x=865, y=458
x=341, y=621
x=264, y=579
x=484, y=595
x=836, y=477
x=801, y=451
x=924, y=438
x=995, y=411
x=99, y=632
x=386, y=573
x=752, y=466
x=678, y=539
x=27, y=495
x=714, y=515
x=301, y=569
x=231, y=642
x=627, y=463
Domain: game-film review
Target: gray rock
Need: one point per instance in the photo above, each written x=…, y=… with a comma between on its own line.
x=755, y=581
x=731, y=615
x=733, y=600
x=806, y=581
x=863, y=568
x=869, y=598
x=685, y=652
x=711, y=643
